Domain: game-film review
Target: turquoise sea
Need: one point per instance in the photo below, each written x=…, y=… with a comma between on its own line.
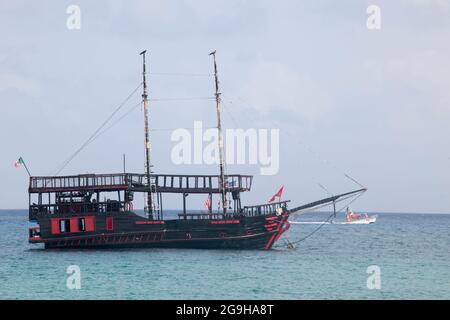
x=412, y=252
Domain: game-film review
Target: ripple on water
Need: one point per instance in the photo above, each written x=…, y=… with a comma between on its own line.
x=411, y=250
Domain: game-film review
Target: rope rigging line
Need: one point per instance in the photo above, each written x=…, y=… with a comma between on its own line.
x=230, y=115
x=93, y=136
x=326, y=221
x=181, y=99
x=116, y=122
x=307, y=147
x=324, y=203
x=99, y=133
x=180, y=74
x=127, y=113
x=137, y=105
x=320, y=206
x=171, y=129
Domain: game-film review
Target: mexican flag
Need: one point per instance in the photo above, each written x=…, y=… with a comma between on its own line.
x=19, y=162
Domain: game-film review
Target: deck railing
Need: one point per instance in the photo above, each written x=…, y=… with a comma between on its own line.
x=79, y=182
x=192, y=183
x=138, y=182
x=77, y=207
x=263, y=209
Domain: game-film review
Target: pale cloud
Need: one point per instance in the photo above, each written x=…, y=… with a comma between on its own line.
x=381, y=97
x=273, y=87
x=440, y=4
x=15, y=81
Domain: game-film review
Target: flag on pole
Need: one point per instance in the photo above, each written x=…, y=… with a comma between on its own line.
x=277, y=195
x=19, y=162
x=208, y=204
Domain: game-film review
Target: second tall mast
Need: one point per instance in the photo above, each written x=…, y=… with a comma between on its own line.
x=222, y=183
x=147, y=140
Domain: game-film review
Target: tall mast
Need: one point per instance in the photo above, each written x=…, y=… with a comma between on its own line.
x=219, y=129
x=147, y=140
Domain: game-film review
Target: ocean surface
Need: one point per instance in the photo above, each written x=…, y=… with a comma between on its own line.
x=412, y=252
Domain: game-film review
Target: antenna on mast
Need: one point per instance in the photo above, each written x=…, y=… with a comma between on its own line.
x=219, y=128
x=149, y=205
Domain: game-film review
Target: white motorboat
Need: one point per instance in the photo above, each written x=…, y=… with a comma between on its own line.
x=357, y=218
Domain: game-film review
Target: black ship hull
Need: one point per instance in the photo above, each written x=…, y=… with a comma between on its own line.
x=255, y=242
x=129, y=230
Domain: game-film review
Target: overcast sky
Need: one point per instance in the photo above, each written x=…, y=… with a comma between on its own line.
x=374, y=104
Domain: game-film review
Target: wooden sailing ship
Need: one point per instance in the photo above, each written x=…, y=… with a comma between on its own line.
x=70, y=213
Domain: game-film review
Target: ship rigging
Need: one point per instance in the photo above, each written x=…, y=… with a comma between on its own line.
x=75, y=211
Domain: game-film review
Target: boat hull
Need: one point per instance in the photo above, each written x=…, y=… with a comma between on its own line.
x=252, y=242
x=133, y=231
x=368, y=220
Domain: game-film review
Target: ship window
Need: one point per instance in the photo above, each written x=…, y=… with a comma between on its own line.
x=82, y=224
x=64, y=225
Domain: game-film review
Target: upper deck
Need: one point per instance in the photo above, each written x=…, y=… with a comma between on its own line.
x=164, y=183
